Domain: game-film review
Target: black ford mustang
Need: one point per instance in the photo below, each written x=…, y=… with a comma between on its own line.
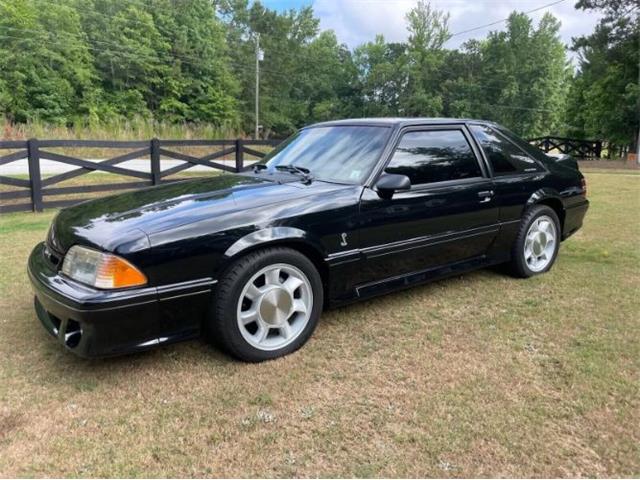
x=341, y=211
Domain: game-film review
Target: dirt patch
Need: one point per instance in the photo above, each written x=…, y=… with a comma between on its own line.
x=9, y=422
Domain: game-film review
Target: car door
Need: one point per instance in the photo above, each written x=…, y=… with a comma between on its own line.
x=449, y=215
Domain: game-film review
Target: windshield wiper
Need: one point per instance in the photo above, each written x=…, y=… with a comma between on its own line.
x=293, y=168
x=305, y=172
x=259, y=166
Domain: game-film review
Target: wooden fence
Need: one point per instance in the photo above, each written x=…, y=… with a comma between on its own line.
x=581, y=149
x=38, y=189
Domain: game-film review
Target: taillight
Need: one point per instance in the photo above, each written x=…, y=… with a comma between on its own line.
x=583, y=184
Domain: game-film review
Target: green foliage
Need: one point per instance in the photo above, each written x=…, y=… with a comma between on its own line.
x=91, y=63
x=97, y=61
x=428, y=30
x=381, y=69
x=305, y=75
x=518, y=77
x=604, y=100
x=41, y=78
x=403, y=79
x=524, y=76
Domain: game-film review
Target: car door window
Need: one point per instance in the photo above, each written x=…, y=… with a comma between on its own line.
x=434, y=156
x=505, y=157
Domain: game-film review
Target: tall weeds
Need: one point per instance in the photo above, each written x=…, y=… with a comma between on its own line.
x=135, y=129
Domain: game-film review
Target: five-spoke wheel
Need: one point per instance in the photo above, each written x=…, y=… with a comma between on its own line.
x=536, y=245
x=540, y=244
x=267, y=304
x=274, y=306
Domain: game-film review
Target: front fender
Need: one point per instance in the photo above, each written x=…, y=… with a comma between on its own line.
x=271, y=236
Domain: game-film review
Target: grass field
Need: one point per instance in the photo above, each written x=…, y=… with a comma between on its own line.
x=479, y=375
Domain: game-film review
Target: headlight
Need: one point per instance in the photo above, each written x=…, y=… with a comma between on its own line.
x=101, y=270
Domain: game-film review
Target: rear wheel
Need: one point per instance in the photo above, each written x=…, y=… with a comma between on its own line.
x=267, y=304
x=536, y=246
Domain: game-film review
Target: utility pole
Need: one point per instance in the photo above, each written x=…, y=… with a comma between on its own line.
x=259, y=57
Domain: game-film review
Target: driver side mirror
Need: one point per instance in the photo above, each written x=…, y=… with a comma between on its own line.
x=389, y=183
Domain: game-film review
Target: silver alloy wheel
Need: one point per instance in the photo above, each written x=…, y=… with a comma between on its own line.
x=540, y=243
x=274, y=306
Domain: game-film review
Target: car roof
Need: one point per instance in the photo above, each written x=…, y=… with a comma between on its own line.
x=397, y=121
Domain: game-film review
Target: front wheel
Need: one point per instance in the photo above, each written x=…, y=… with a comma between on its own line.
x=266, y=305
x=536, y=246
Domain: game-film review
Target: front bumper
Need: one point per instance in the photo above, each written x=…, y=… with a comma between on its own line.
x=97, y=323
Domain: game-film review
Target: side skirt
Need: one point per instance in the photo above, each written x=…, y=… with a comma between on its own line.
x=401, y=282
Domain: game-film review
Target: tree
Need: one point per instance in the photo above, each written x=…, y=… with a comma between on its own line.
x=127, y=52
x=43, y=76
x=199, y=85
x=328, y=79
x=428, y=30
x=100, y=61
x=303, y=71
x=605, y=97
x=382, y=77
x=524, y=76
x=462, y=91
x=165, y=59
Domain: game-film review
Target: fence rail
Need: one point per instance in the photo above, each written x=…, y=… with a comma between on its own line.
x=38, y=189
x=582, y=149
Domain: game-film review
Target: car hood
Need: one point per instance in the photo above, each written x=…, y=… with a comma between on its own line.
x=128, y=218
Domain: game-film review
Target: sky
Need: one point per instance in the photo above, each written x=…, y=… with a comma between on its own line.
x=358, y=21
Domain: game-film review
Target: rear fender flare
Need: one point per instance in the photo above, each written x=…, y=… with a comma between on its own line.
x=551, y=198
x=543, y=194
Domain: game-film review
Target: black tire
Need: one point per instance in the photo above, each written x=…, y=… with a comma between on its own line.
x=518, y=264
x=222, y=322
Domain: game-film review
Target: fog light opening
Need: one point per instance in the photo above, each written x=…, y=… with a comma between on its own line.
x=56, y=323
x=73, y=334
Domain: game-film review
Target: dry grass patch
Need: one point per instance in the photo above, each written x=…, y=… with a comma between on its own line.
x=479, y=375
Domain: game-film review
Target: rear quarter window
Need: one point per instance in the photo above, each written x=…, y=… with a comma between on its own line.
x=505, y=157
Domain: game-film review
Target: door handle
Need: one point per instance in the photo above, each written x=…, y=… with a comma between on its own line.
x=486, y=195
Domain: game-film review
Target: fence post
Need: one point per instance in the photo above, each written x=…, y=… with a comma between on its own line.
x=35, y=180
x=155, y=161
x=598, y=149
x=239, y=155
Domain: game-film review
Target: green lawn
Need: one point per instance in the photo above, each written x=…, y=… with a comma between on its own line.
x=479, y=375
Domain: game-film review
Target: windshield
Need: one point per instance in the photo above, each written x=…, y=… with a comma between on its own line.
x=344, y=154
